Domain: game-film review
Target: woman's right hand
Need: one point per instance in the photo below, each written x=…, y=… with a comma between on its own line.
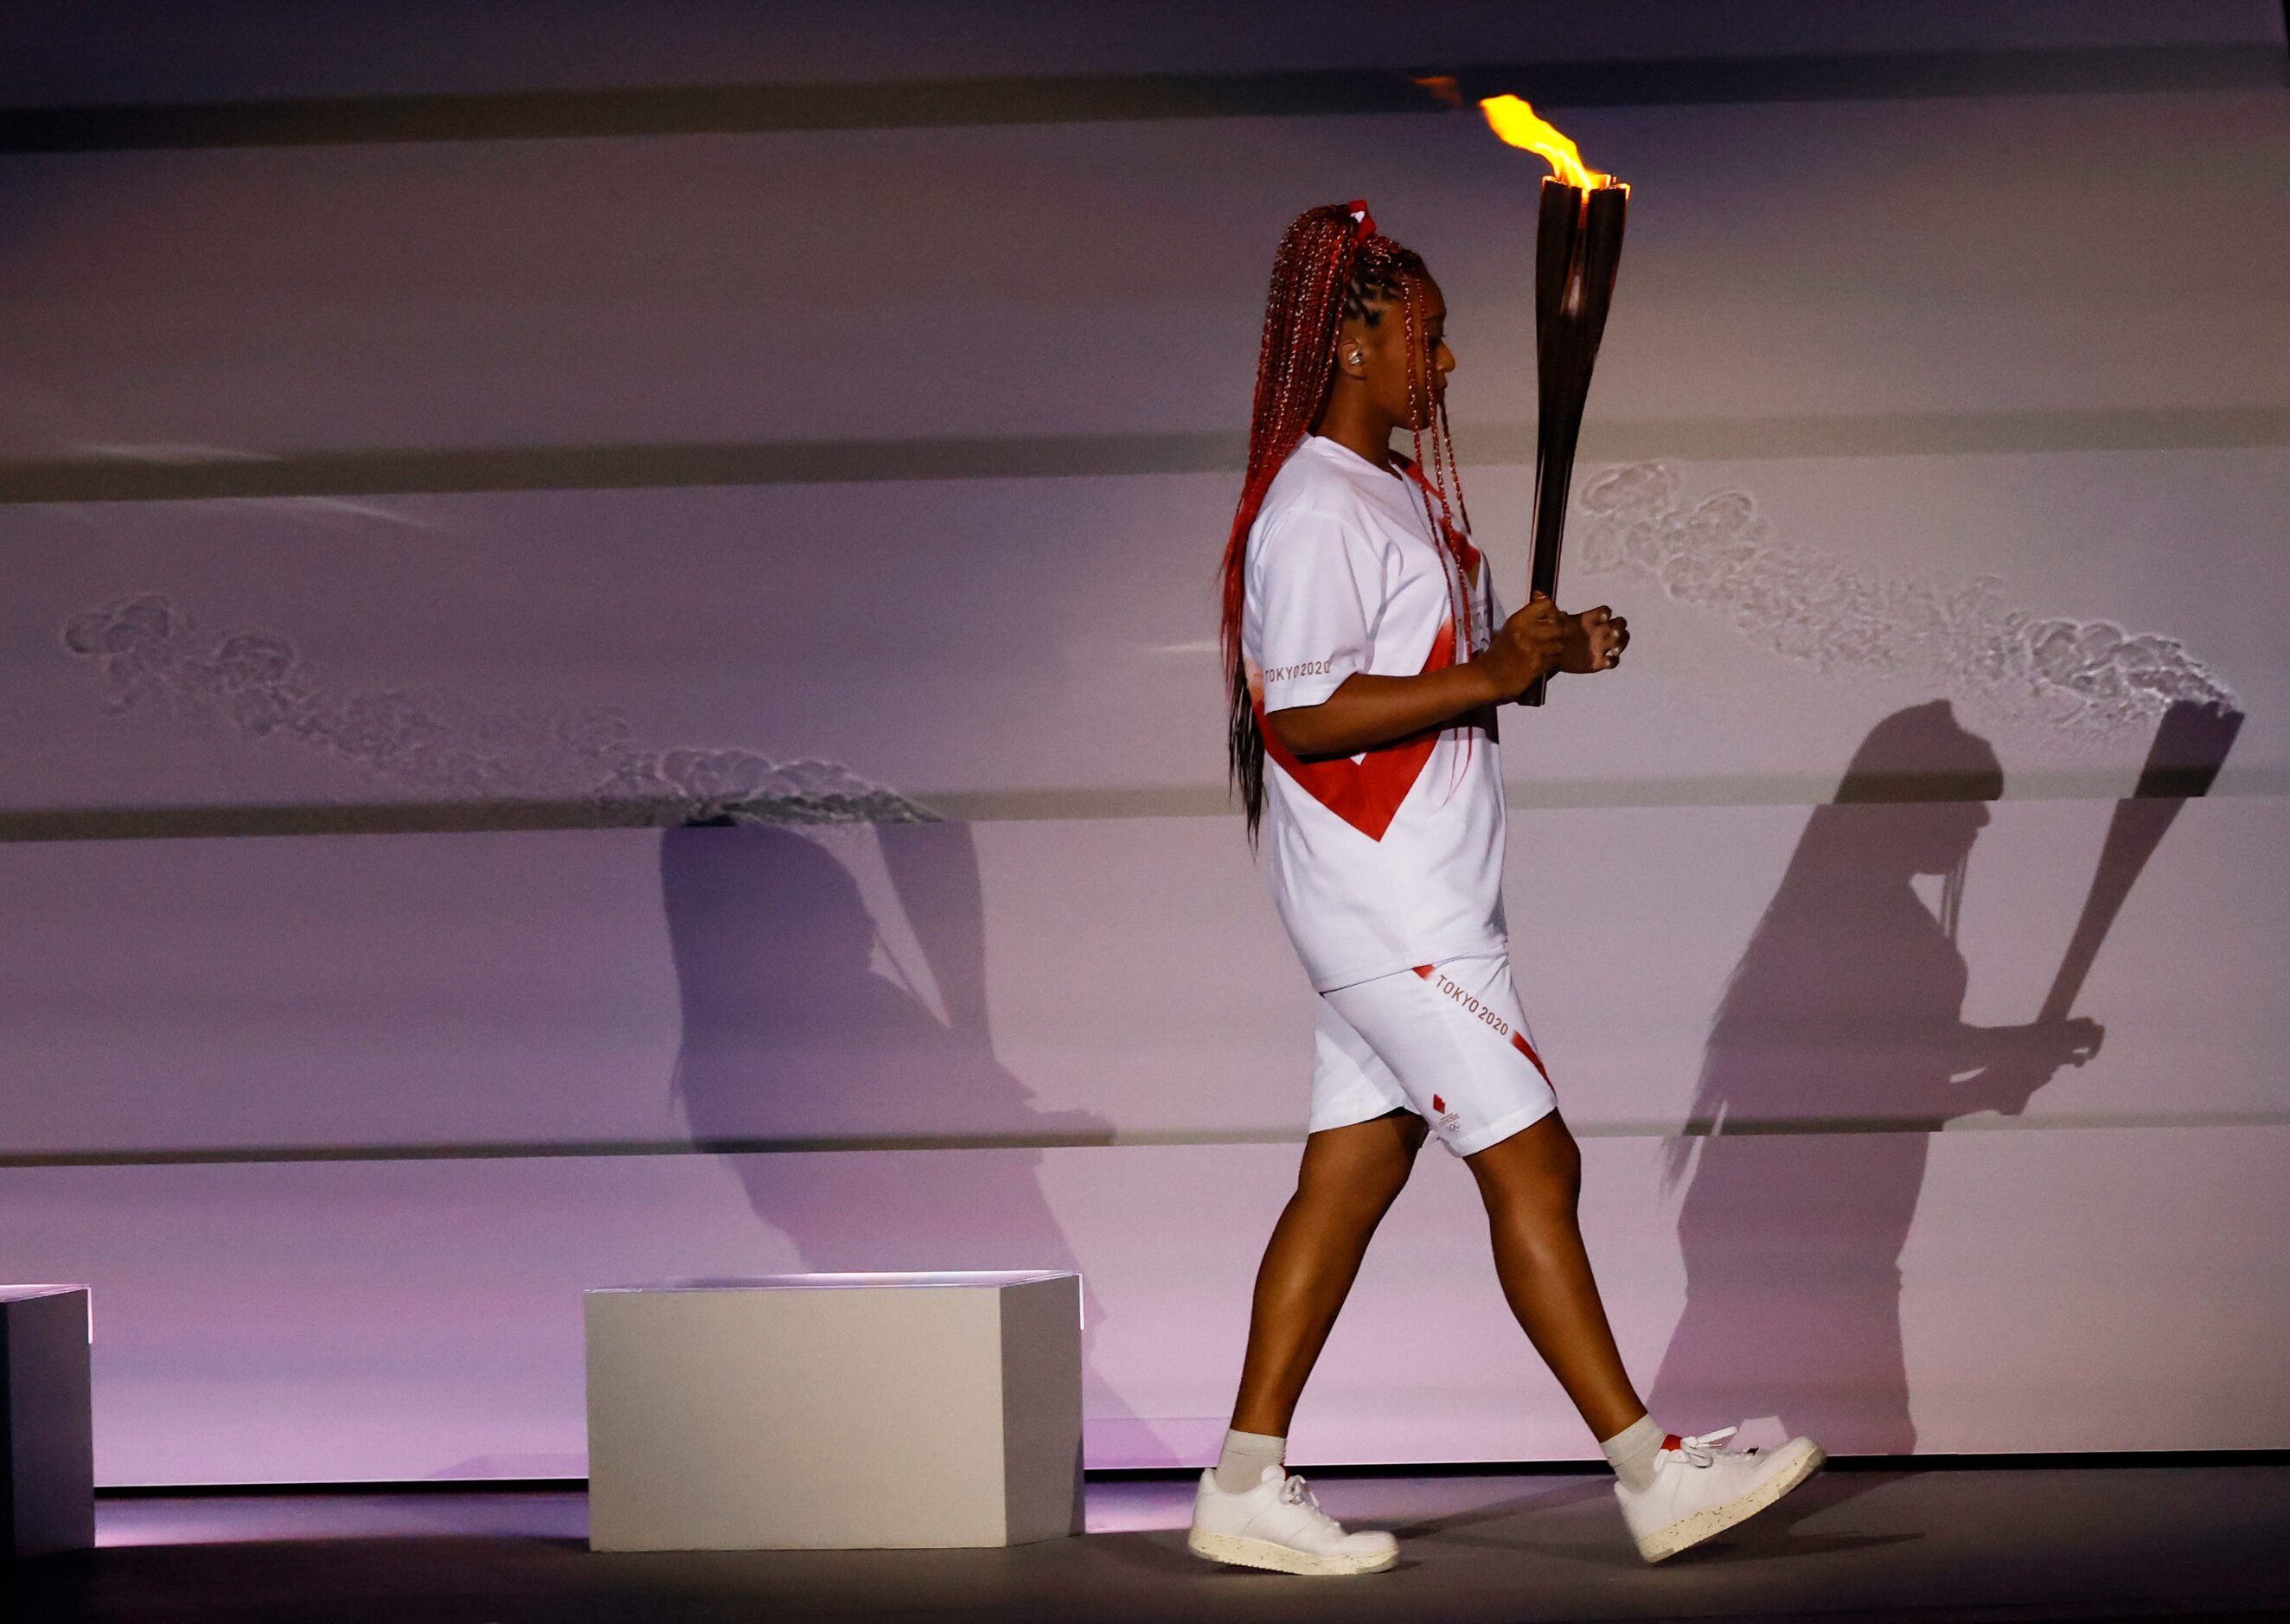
x=1526, y=648
x=1368, y=712
x=2029, y=1056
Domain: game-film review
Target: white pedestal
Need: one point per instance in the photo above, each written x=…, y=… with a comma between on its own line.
x=47, y=1441
x=815, y=1412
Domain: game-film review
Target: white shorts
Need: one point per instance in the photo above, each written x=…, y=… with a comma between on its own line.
x=1448, y=1042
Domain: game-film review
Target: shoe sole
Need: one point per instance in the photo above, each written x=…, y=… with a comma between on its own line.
x=1234, y=1550
x=1689, y=1532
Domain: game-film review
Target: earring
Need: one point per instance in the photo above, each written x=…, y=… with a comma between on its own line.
x=1359, y=359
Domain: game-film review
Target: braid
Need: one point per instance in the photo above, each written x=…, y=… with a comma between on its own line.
x=1331, y=264
x=1434, y=486
x=1303, y=310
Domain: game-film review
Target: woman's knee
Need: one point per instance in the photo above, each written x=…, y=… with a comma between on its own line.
x=1540, y=1165
x=1363, y=1194
x=1365, y=1181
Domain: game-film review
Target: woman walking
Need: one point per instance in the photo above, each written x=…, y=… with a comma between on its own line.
x=1365, y=656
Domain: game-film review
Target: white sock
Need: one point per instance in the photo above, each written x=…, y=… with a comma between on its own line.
x=1631, y=1451
x=1241, y=1467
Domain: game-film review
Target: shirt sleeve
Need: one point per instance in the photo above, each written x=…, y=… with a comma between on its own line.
x=1321, y=589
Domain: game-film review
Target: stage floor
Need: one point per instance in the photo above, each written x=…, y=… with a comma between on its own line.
x=2085, y=1542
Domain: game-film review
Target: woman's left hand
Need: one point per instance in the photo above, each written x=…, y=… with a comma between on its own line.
x=1593, y=641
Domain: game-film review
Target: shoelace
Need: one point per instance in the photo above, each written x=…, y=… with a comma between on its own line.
x=1296, y=1492
x=1701, y=1450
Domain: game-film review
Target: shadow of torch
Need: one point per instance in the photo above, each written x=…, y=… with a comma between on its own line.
x=1578, y=244
x=2190, y=746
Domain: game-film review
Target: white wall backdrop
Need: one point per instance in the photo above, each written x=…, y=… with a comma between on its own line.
x=348, y=1037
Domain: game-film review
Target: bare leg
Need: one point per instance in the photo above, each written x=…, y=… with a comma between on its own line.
x=1349, y=1178
x=1530, y=1182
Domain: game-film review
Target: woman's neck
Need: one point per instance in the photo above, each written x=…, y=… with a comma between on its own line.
x=1352, y=423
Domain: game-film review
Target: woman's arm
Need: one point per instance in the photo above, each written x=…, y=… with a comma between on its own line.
x=1370, y=711
x=2008, y=1064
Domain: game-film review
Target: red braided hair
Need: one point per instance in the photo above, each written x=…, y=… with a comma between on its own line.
x=1332, y=263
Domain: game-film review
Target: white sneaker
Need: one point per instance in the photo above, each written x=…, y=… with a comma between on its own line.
x=1279, y=1524
x=1698, y=1491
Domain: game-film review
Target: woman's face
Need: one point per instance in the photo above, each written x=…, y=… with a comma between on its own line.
x=1948, y=830
x=1384, y=362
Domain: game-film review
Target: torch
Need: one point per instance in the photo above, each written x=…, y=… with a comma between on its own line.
x=1578, y=244
x=2190, y=746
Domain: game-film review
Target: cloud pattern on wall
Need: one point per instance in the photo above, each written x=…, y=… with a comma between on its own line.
x=153, y=657
x=1962, y=639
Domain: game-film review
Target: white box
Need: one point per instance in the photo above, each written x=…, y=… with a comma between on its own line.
x=817, y=1411
x=47, y=1438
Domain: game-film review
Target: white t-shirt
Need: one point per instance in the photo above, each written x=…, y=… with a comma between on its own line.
x=1392, y=859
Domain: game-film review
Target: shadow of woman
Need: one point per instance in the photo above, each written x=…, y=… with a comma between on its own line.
x=1838, y=1050
x=790, y=1034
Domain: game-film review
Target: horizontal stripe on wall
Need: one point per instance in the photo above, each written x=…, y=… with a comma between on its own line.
x=1101, y=98
x=173, y=475
x=1075, y=805
x=1110, y=1139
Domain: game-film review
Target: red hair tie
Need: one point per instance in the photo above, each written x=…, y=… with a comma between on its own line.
x=1363, y=222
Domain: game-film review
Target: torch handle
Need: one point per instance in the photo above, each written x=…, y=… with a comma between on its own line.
x=1578, y=245
x=2189, y=748
x=1554, y=476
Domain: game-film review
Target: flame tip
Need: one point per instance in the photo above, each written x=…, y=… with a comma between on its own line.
x=1516, y=123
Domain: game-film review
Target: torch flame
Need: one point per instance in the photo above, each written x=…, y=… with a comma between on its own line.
x=1517, y=123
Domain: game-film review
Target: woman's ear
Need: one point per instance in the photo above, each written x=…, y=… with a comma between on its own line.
x=1351, y=356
